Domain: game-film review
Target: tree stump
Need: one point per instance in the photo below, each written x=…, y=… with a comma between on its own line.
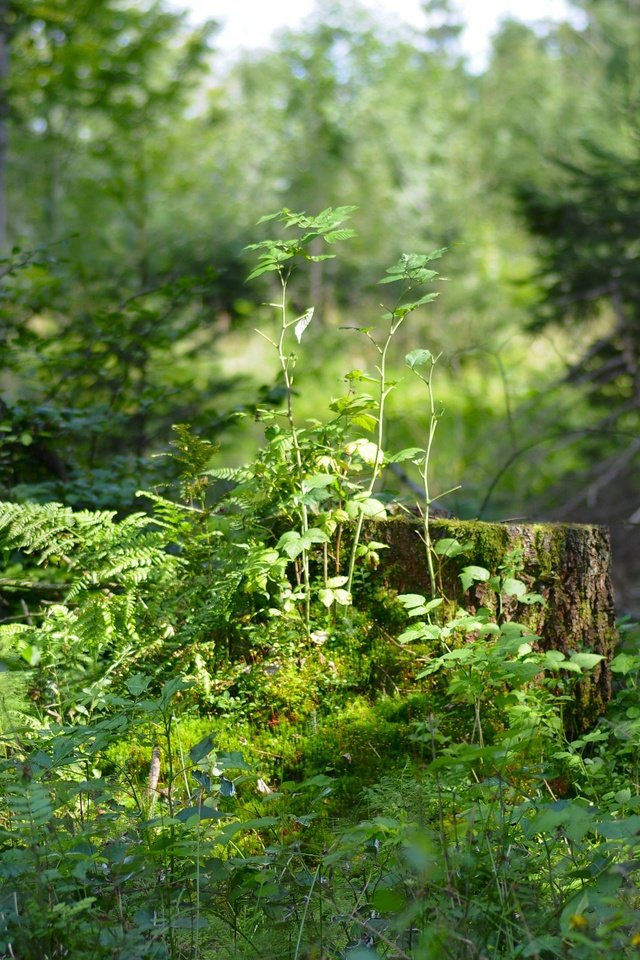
x=568, y=564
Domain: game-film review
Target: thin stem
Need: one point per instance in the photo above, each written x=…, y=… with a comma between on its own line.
x=285, y=365
x=314, y=880
x=384, y=393
x=433, y=424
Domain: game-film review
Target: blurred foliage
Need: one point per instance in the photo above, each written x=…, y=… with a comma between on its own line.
x=138, y=160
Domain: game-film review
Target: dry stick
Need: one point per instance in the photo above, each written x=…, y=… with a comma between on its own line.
x=154, y=773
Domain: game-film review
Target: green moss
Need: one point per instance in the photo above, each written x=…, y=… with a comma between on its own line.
x=548, y=542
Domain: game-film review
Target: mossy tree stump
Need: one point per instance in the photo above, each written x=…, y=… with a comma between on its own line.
x=568, y=564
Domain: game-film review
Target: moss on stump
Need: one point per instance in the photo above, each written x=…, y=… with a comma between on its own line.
x=568, y=564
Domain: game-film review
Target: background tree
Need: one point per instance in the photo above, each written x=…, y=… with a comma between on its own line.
x=137, y=168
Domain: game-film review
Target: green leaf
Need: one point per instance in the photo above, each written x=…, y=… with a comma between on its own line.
x=409, y=453
x=202, y=778
x=202, y=748
x=513, y=588
x=170, y=688
x=413, y=633
x=432, y=604
x=343, y=597
x=410, y=600
x=472, y=574
x=624, y=663
x=200, y=813
x=31, y=654
x=318, y=481
x=539, y=946
x=421, y=631
x=371, y=507
x=531, y=598
x=137, y=684
x=365, y=421
x=315, y=535
x=553, y=660
x=227, y=787
x=358, y=375
x=334, y=582
x=290, y=538
x=627, y=829
x=418, y=358
x=232, y=760
x=302, y=323
x=449, y=547
x=586, y=661
x=334, y=235
x=326, y=597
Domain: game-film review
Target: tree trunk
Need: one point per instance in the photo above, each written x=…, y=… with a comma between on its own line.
x=568, y=564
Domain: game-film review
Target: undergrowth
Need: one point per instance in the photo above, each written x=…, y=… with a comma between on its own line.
x=224, y=736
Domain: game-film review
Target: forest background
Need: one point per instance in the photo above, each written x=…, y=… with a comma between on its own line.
x=135, y=162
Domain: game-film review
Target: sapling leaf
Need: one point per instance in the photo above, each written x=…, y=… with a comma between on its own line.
x=409, y=453
x=365, y=330
x=432, y=604
x=511, y=628
x=624, y=663
x=359, y=375
x=586, y=661
x=342, y=597
x=421, y=631
x=334, y=235
x=200, y=813
x=469, y=575
x=373, y=508
x=315, y=535
x=302, y=323
x=625, y=829
x=232, y=759
x=326, y=596
x=413, y=633
x=335, y=582
x=553, y=659
x=227, y=788
x=449, y=547
x=170, y=688
x=317, y=481
x=513, y=588
x=365, y=421
x=531, y=598
x=203, y=779
x=202, y=748
x=291, y=544
x=367, y=450
x=369, y=507
x=409, y=600
x=31, y=654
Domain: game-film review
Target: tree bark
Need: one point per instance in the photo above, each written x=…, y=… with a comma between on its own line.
x=568, y=564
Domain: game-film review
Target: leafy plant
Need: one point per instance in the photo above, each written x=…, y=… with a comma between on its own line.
x=362, y=788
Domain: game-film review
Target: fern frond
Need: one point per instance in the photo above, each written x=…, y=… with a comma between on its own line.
x=45, y=529
x=231, y=474
x=29, y=805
